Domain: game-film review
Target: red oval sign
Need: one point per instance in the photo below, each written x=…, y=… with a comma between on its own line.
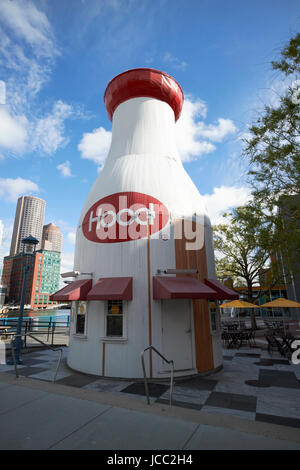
x=123, y=217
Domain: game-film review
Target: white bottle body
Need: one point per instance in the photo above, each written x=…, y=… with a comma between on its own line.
x=143, y=159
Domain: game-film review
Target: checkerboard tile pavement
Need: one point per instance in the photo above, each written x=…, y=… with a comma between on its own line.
x=252, y=385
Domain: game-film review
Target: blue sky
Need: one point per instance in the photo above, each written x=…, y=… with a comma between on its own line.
x=57, y=56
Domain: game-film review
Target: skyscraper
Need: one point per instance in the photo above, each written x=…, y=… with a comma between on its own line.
x=52, y=238
x=29, y=220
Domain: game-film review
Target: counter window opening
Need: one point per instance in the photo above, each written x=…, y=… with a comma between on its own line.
x=81, y=318
x=114, y=318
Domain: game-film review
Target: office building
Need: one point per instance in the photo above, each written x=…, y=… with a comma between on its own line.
x=43, y=277
x=29, y=220
x=52, y=238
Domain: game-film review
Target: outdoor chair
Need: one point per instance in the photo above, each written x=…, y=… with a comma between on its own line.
x=286, y=345
x=225, y=338
x=275, y=328
x=232, y=339
x=274, y=344
x=247, y=337
x=278, y=328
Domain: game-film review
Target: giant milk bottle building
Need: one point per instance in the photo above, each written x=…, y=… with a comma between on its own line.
x=144, y=253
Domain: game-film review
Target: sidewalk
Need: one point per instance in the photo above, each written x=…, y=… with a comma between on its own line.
x=252, y=385
x=41, y=415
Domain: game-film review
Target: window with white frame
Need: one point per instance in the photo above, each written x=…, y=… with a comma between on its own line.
x=114, y=318
x=81, y=317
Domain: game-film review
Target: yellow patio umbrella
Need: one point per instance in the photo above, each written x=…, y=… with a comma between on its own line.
x=281, y=303
x=238, y=304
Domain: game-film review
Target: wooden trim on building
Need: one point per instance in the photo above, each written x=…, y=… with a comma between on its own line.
x=196, y=259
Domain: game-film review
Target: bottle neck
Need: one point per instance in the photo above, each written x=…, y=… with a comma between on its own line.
x=143, y=126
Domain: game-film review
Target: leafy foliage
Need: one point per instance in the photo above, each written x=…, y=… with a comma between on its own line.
x=290, y=62
x=273, y=147
x=265, y=233
x=243, y=245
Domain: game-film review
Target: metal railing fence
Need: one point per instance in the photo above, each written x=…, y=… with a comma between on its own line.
x=171, y=362
x=45, y=345
x=49, y=328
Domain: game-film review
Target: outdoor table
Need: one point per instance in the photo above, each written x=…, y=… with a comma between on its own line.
x=234, y=339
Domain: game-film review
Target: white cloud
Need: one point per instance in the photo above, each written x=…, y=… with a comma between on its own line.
x=28, y=51
x=29, y=24
x=65, y=226
x=11, y=189
x=2, y=92
x=223, y=199
x=174, y=62
x=13, y=131
x=276, y=88
x=48, y=133
x=67, y=261
x=216, y=132
x=72, y=237
x=65, y=169
x=95, y=145
x=194, y=137
x=6, y=238
x=1, y=232
x=69, y=231
x=44, y=135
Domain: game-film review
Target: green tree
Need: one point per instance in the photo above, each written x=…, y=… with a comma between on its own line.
x=273, y=147
x=273, y=151
x=243, y=245
x=290, y=62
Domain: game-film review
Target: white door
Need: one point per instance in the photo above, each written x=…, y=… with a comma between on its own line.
x=177, y=333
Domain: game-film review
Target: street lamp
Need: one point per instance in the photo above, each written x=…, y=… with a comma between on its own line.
x=17, y=342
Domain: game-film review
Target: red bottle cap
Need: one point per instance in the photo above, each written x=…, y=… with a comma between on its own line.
x=137, y=83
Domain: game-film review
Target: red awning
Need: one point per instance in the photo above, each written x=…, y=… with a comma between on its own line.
x=223, y=292
x=76, y=290
x=165, y=287
x=112, y=288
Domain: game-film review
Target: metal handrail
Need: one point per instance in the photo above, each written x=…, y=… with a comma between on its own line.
x=145, y=376
x=44, y=344
x=41, y=328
